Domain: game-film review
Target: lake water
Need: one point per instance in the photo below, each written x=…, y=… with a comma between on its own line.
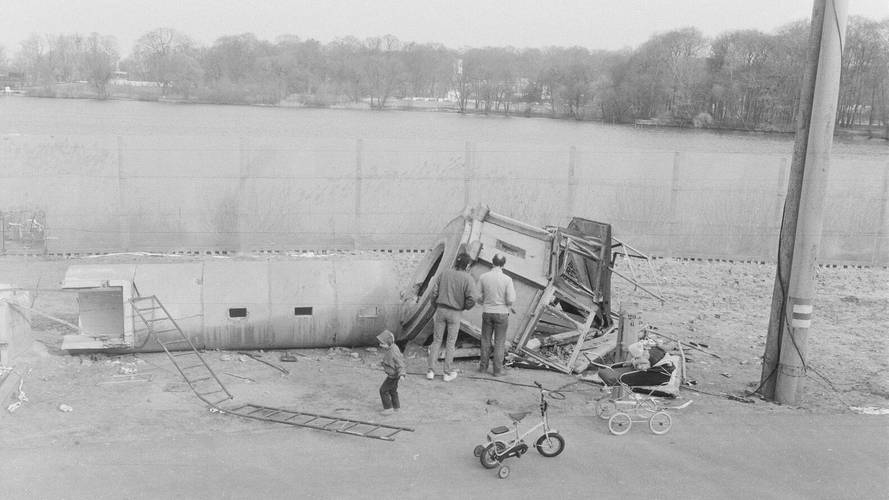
x=200, y=176
x=35, y=116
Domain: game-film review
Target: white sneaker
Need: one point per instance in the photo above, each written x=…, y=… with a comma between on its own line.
x=450, y=376
x=430, y=375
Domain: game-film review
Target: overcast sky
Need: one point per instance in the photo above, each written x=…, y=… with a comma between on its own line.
x=594, y=24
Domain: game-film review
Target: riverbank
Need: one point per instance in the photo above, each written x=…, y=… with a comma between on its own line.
x=240, y=97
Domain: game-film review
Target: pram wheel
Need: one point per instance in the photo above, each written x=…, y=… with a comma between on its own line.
x=619, y=424
x=605, y=409
x=660, y=422
x=503, y=473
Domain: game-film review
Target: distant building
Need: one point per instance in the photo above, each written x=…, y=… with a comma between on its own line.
x=12, y=79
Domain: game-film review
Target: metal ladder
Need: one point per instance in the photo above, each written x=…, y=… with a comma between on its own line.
x=204, y=383
x=320, y=422
x=186, y=358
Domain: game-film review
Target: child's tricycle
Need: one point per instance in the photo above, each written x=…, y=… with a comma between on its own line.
x=504, y=442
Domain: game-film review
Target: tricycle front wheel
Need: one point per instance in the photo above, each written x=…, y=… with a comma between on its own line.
x=550, y=445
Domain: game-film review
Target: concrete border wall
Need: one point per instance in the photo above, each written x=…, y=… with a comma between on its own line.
x=213, y=193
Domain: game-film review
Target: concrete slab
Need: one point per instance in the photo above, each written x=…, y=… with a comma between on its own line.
x=702, y=457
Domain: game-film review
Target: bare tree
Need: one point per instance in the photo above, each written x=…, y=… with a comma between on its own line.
x=33, y=61
x=99, y=61
x=164, y=54
x=383, y=69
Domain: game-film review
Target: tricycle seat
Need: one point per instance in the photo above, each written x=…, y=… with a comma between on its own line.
x=517, y=417
x=500, y=430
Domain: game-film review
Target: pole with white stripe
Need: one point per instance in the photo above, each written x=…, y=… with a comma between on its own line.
x=799, y=305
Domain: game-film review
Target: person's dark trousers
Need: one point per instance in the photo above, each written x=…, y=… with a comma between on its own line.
x=493, y=325
x=389, y=393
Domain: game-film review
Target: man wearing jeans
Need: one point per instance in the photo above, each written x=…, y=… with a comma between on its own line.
x=498, y=296
x=450, y=293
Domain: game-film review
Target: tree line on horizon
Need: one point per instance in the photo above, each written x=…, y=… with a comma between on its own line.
x=740, y=79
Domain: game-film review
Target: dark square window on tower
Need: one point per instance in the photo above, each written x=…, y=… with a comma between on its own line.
x=302, y=311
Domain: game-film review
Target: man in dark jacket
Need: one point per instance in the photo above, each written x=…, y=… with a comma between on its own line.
x=452, y=292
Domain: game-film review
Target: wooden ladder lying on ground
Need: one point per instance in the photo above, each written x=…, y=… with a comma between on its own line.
x=207, y=386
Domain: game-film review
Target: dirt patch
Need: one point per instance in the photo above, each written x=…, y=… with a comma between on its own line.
x=722, y=306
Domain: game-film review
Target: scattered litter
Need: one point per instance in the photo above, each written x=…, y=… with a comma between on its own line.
x=125, y=378
x=354, y=355
x=65, y=408
x=226, y=357
x=739, y=398
x=869, y=410
x=371, y=349
x=726, y=375
x=257, y=358
x=492, y=402
x=127, y=370
x=21, y=397
x=594, y=378
x=240, y=377
x=289, y=358
x=681, y=406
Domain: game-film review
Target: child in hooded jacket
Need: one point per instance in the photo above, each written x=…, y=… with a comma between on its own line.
x=393, y=365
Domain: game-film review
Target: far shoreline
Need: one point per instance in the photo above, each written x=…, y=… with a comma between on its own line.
x=411, y=105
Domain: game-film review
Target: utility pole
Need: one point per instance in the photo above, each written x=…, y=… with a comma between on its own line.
x=784, y=361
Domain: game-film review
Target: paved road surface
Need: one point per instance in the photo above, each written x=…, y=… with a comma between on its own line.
x=703, y=456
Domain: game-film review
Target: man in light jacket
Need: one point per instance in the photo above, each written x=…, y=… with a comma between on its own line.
x=497, y=296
